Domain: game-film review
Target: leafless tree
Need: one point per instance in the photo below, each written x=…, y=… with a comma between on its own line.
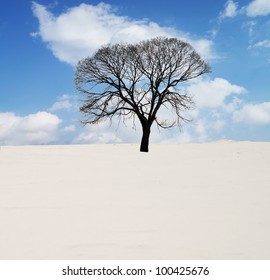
x=136, y=80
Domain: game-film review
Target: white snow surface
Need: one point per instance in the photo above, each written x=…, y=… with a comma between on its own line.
x=179, y=201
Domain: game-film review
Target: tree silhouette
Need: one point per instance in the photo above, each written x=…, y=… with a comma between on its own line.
x=136, y=80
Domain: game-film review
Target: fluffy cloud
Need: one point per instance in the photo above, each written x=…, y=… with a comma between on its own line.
x=69, y=128
x=81, y=30
x=258, y=8
x=101, y=133
x=203, y=128
x=253, y=114
x=39, y=128
x=63, y=103
x=89, y=137
x=212, y=93
x=230, y=10
x=215, y=101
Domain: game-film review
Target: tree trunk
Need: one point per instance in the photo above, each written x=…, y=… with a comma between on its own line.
x=145, y=138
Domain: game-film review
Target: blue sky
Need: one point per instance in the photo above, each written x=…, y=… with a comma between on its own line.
x=41, y=42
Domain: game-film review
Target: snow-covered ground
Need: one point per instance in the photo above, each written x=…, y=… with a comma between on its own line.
x=186, y=201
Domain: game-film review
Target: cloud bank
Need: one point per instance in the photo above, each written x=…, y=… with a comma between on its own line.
x=38, y=128
x=258, y=8
x=212, y=93
x=81, y=30
x=255, y=114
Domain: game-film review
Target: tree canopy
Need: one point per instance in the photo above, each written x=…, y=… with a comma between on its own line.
x=136, y=80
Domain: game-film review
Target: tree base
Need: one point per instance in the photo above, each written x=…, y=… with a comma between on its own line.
x=144, y=150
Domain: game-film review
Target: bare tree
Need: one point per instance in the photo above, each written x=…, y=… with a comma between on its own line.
x=136, y=80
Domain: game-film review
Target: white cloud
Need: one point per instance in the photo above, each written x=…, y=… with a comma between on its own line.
x=230, y=10
x=258, y=8
x=253, y=114
x=233, y=105
x=218, y=125
x=97, y=134
x=212, y=93
x=81, y=30
x=201, y=130
x=69, y=128
x=264, y=43
x=39, y=128
x=63, y=103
